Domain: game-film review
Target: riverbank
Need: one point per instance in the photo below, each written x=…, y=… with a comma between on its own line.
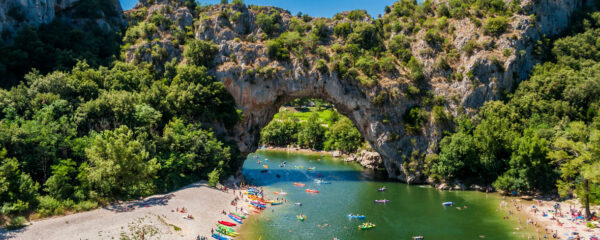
x=158, y=216
x=563, y=223
x=301, y=150
x=367, y=159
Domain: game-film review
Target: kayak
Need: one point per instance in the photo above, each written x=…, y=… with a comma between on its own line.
x=256, y=211
x=220, y=236
x=299, y=167
x=238, y=215
x=298, y=204
x=366, y=226
x=226, y=223
x=266, y=166
x=299, y=184
x=382, y=189
x=245, y=212
x=421, y=238
x=311, y=168
x=228, y=233
x=311, y=191
x=235, y=219
x=382, y=201
x=276, y=203
x=279, y=193
x=301, y=218
x=225, y=227
x=320, y=181
x=357, y=217
x=448, y=203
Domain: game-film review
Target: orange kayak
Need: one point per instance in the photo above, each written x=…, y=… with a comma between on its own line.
x=299, y=184
x=266, y=166
x=312, y=191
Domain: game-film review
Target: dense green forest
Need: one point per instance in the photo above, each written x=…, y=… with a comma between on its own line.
x=546, y=135
x=319, y=128
x=71, y=140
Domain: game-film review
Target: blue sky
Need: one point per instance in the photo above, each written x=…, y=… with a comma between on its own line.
x=315, y=8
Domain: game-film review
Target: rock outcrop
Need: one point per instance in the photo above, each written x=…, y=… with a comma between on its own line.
x=260, y=85
x=370, y=160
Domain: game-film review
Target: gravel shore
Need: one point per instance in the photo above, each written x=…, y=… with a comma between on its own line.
x=156, y=216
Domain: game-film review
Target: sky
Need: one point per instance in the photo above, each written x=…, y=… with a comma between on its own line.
x=314, y=8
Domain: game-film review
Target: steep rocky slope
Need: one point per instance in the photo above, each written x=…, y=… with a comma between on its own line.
x=401, y=78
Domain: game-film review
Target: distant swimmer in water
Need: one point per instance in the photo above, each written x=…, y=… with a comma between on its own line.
x=277, y=175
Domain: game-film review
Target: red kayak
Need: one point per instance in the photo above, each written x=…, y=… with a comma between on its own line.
x=230, y=224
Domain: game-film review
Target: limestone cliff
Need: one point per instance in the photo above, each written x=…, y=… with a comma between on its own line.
x=463, y=66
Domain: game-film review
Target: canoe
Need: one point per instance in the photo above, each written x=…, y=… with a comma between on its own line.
x=239, y=215
x=298, y=204
x=255, y=211
x=299, y=184
x=448, y=203
x=311, y=191
x=357, y=217
x=382, y=201
x=235, y=219
x=226, y=223
x=220, y=236
x=276, y=203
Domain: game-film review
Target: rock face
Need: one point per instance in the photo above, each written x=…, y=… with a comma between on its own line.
x=371, y=160
x=260, y=85
x=15, y=14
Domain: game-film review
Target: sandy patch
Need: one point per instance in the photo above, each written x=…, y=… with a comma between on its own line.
x=155, y=216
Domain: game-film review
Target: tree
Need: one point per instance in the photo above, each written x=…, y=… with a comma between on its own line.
x=577, y=151
x=61, y=185
x=311, y=133
x=458, y=157
x=17, y=190
x=120, y=165
x=345, y=136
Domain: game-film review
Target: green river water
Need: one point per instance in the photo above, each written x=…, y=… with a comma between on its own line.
x=412, y=211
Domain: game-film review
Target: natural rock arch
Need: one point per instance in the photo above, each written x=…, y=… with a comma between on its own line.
x=260, y=99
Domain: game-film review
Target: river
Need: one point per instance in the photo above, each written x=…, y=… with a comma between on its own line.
x=412, y=210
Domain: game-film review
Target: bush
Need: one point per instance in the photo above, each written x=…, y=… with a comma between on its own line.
x=49, y=206
x=16, y=223
x=201, y=53
x=322, y=66
x=415, y=118
x=85, y=206
x=277, y=51
x=470, y=47
x=213, y=177
x=495, y=26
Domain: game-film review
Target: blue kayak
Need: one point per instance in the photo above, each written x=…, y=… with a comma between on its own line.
x=357, y=217
x=220, y=236
x=448, y=203
x=235, y=219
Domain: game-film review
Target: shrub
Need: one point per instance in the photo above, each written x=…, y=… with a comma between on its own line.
x=342, y=29
x=415, y=118
x=416, y=70
x=413, y=91
x=356, y=15
x=433, y=37
x=16, y=223
x=276, y=50
x=213, y=178
x=495, y=26
x=268, y=23
x=470, y=47
x=85, y=206
x=322, y=66
x=49, y=206
x=200, y=52
x=366, y=81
